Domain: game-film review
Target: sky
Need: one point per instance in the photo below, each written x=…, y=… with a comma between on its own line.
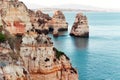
x=106, y=4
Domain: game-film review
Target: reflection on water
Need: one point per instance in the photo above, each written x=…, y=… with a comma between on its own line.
x=96, y=58
x=81, y=43
x=63, y=33
x=70, y=42
x=75, y=48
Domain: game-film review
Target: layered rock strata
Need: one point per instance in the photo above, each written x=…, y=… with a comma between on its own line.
x=58, y=22
x=80, y=27
x=39, y=21
x=44, y=23
x=15, y=16
x=9, y=69
x=29, y=54
x=43, y=61
x=17, y=19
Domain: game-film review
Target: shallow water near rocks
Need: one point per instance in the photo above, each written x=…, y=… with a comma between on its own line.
x=96, y=58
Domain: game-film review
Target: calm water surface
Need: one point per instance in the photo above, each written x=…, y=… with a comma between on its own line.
x=96, y=58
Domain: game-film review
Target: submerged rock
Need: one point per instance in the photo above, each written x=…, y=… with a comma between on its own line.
x=80, y=27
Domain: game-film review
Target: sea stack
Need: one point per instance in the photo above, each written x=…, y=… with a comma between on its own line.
x=58, y=22
x=80, y=27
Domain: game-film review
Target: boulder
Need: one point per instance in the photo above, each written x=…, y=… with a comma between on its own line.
x=80, y=27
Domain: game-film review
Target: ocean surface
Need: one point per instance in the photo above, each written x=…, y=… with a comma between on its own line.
x=96, y=58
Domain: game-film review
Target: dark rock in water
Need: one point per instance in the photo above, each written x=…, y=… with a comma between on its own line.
x=55, y=35
x=80, y=27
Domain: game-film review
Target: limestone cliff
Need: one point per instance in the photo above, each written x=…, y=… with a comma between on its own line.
x=18, y=19
x=9, y=69
x=39, y=21
x=15, y=16
x=27, y=53
x=43, y=61
x=42, y=22
x=80, y=27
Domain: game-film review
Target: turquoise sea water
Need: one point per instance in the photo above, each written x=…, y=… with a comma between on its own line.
x=96, y=58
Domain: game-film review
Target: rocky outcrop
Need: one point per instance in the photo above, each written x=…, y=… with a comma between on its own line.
x=43, y=61
x=15, y=17
x=44, y=23
x=39, y=21
x=58, y=22
x=80, y=27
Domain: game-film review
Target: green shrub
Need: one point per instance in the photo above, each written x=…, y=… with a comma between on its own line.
x=2, y=37
x=59, y=54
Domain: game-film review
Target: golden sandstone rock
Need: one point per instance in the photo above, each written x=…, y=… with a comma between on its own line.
x=28, y=53
x=44, y=62
x=15, y=17
x=80, y=27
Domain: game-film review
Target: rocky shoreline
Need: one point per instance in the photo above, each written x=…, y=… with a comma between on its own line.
x=26, y=52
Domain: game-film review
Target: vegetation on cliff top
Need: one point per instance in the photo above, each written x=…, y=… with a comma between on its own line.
x=59, y=54
x=2, y=37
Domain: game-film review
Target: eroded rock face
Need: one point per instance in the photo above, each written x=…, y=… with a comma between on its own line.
x=42, y=15
x=8, y=69
x=15, y=17
x=36, y=59
x=44, y=23
x=80, y=27
x=39, y=21
x=43, y=61
x=58, y=22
